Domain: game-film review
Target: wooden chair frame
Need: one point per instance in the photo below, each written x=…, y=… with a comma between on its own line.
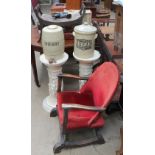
x=38, y=48
x=64, y=142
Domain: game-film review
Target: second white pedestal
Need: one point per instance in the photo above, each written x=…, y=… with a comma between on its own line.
x=86, y=65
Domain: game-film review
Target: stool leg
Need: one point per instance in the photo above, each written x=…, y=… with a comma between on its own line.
x=34, y=68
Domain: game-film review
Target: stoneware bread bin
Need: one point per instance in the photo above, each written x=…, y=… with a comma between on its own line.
x=84, y=40
x=53, y=42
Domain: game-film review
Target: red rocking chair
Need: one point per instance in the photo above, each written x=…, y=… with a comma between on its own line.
x=82, y=109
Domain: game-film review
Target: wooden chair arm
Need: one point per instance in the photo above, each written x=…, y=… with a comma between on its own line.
x=68, y=107
x=73, y=76
x=83, y=107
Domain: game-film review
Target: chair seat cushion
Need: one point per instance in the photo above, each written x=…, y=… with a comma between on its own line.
x=77, y=118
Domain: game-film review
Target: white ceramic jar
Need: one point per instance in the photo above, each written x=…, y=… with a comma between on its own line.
x=84, y=40
x=53, y=42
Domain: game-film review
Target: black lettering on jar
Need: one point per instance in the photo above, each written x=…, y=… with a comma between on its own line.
x=84, y=44
x=51, y=43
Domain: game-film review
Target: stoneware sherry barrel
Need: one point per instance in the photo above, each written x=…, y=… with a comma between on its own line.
x=53, y=42
x=84, y=40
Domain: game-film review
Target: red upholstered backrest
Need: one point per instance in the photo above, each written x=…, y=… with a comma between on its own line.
x=34, y=3
x=102, y=83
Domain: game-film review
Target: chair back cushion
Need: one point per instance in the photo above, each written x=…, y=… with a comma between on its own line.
x=102, y=84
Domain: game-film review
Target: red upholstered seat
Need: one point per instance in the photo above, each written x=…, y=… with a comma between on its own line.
x=97, y=91
x=77, y=118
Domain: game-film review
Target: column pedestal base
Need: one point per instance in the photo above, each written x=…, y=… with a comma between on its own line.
x=49, y=103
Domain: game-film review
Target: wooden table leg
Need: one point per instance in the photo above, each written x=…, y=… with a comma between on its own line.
x=120, y=151
x=34, y=68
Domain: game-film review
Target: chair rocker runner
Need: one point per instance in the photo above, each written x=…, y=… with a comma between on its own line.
x=79, y=110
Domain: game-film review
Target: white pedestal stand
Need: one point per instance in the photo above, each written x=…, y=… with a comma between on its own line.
x=54, y=69
x=86, y=65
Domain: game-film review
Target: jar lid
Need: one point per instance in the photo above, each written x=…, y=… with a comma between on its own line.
x=52, y=28
x=85, y=28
